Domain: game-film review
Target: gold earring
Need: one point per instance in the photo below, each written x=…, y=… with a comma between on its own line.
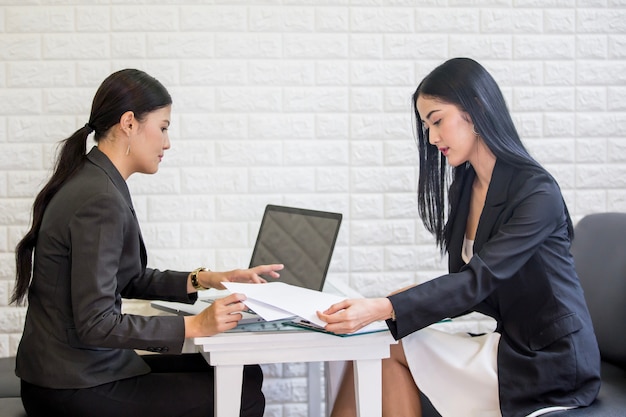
x=474, y=131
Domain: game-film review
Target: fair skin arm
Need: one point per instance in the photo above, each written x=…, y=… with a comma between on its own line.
x=213, y=279
x=224, y=314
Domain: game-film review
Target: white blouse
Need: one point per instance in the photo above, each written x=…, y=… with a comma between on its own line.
x=468, y=250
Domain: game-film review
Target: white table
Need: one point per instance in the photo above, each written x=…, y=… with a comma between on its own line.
x=229, y=352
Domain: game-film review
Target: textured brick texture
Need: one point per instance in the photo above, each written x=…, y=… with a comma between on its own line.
x=303, y=103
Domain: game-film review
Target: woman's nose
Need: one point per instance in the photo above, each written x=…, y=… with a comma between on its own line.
x=433, y=138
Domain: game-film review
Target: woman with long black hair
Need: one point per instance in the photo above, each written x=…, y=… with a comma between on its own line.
x=84, y=252
x=501, y=218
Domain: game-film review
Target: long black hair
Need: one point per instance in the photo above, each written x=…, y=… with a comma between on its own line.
x=466, y=84
x=125, y=90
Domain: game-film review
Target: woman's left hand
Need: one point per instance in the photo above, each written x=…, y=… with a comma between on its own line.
x=251, y=275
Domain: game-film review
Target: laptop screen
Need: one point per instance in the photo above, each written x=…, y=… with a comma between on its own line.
x=303, y=240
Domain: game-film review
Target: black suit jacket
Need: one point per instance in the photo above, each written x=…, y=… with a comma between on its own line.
x=522, y=274
x=89, y=254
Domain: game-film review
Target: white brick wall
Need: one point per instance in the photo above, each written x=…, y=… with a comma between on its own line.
x=305, y=103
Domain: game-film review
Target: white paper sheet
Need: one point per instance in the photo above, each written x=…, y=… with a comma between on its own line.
x=268, y=312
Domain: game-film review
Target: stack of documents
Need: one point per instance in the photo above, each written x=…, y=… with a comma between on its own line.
x=279, y=301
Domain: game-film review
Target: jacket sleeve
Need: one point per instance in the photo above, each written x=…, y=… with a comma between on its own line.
x=529, y=218
x=160, y=285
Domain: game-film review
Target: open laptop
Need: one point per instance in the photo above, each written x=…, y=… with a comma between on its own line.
x=302, y=240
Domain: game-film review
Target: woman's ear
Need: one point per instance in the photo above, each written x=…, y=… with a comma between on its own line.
x=465, y=115
x=126, y=122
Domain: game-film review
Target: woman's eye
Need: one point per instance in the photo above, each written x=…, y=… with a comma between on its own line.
x=436, y=123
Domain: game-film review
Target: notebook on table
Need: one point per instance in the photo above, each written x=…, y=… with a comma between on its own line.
x=303, y=240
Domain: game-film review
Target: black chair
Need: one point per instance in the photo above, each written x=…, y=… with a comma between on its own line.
x=10, y=401
x=599, y=249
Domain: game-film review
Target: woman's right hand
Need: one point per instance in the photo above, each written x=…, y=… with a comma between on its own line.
x=348, y=316
x=223, y=314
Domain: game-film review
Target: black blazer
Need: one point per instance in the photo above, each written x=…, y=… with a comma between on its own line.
x=89, y=254
x=522, y=274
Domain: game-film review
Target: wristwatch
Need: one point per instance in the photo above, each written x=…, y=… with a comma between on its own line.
x=194, y=278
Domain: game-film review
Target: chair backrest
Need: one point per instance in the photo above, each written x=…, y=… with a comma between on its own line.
x=599, y=249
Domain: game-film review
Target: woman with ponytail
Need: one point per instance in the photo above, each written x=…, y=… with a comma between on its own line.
x=84, y=253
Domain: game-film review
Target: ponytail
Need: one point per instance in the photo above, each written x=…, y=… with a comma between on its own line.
x=71, y=158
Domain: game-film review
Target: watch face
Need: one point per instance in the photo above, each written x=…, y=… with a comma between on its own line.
x=194, y=278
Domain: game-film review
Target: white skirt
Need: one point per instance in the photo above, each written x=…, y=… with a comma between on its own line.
x=458, y=373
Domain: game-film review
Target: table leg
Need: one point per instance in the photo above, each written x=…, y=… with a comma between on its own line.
x=228, y=380
x=315, y=392
x=368, y=388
